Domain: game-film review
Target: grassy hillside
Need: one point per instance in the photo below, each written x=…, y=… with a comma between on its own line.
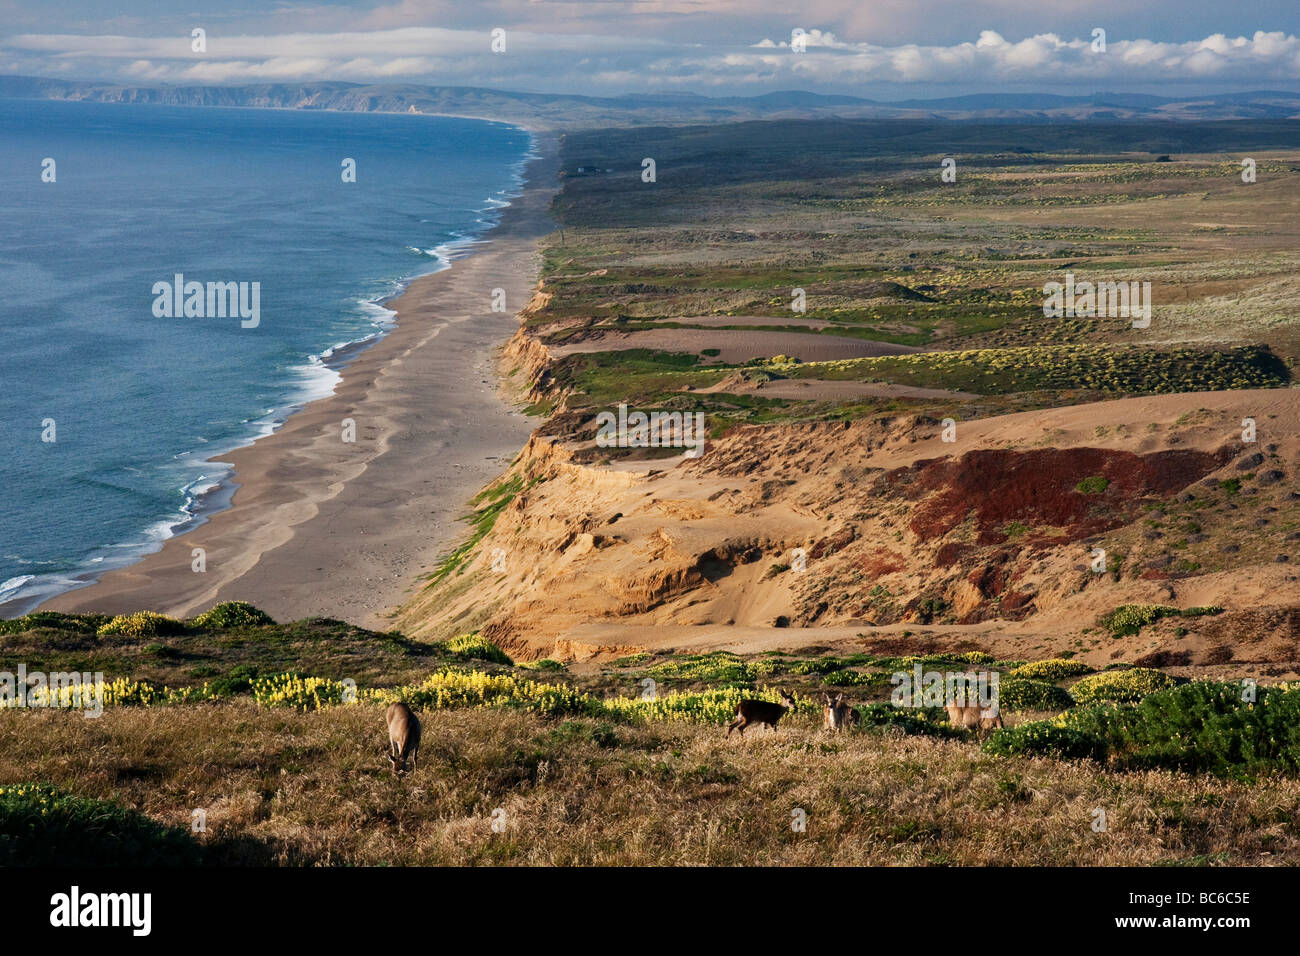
x=680, y=294
x=282, y=787
x=547, y=764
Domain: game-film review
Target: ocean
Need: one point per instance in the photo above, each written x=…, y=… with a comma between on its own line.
x=111, y=398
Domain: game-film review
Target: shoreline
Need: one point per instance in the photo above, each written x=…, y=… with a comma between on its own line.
x=316, y=526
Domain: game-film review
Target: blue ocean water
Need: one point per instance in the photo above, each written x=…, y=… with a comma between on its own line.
x=142, y=193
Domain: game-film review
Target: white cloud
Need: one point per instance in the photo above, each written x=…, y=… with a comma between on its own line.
x=587, y=62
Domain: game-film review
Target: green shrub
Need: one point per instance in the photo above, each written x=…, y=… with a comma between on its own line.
x=301, y=693
x=1122, y=686
x=717, y=668
x=545, y=664
x=1053, y=669
x=845, y=678
x=453, y=689
x=141, y=624
x=474, y=647
x=232, y=614
x=1043, y=738
x=926, y=661
x=121, y=692
x=816, y=665
x=41, y=825
x=238, y=681
x=125, y=692
x=715, y=706
x=1131, y=618
x=632, y=660
x=1200, y=727
x=54, y=620
x=1032, y=695
x=1202, y=611
x=1108, y=368
x=926, y=721
x=1092, y=485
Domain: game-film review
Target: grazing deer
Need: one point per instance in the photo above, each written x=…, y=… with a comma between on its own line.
x=839, y=714
x=971, y=717
x=403, y=737
x=759, y=711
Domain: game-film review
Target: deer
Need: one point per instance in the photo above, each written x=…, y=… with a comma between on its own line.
x=759, y=711
x=403, y=737
x=839, y=714
x=972, y=717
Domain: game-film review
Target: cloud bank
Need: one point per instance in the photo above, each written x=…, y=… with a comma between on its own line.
x=584, y=62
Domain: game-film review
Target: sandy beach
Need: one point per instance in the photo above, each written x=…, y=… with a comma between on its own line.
x=318, y=526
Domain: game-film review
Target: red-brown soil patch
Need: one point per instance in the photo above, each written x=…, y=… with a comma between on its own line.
x=1039, y=488
x=883, y=562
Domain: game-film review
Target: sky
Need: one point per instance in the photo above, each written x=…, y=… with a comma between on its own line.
x=879, y=49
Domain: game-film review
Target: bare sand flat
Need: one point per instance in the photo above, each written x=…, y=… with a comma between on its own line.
x=769, y=321
x=738, y=345
x=721, y=321
x=820, y=390
x=323, y=527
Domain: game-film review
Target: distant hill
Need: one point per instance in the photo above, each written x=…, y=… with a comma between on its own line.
x=573, y=111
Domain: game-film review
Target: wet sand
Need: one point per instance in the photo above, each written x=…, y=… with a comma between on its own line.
x=318, y=526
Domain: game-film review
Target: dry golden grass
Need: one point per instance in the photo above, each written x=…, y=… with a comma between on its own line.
x=282, y=787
